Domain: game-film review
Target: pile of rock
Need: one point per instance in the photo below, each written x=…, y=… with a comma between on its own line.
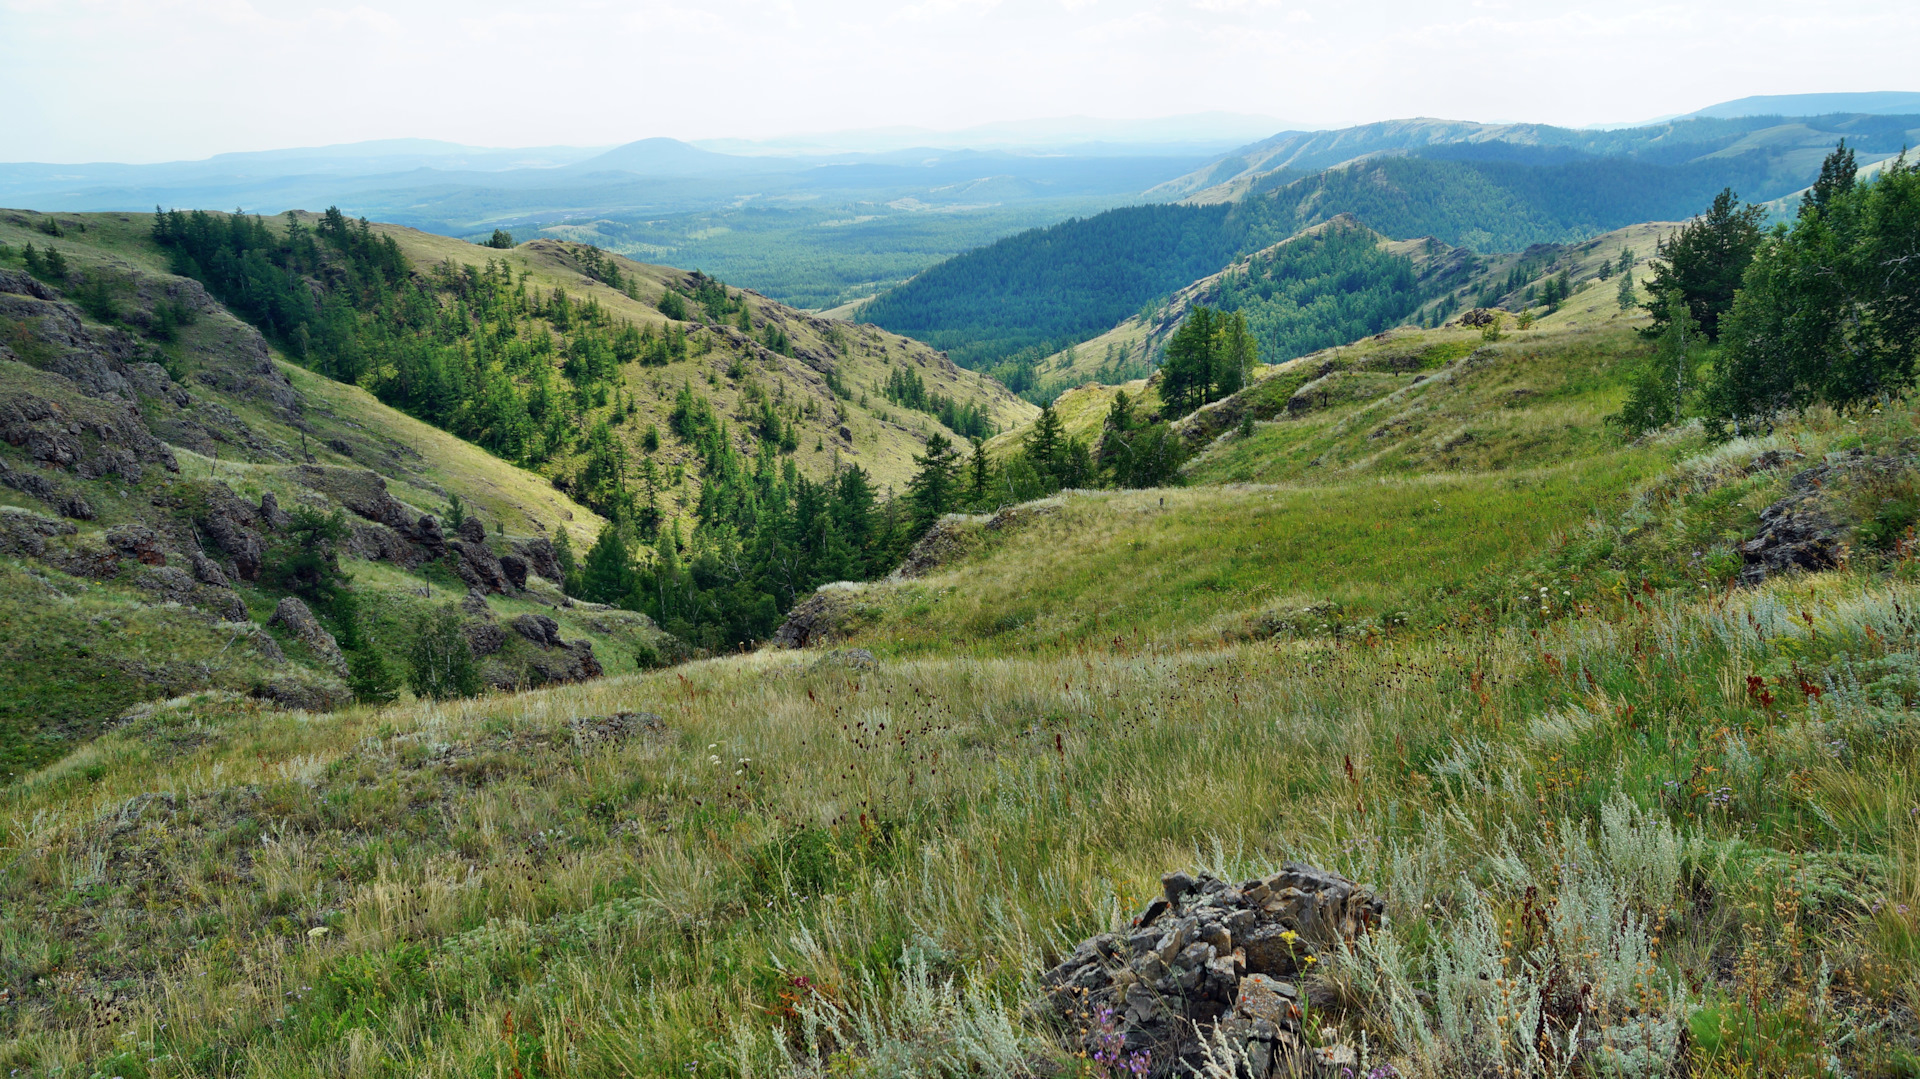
x=1215, y=961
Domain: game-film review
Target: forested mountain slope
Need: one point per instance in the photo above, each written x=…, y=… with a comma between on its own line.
x=1299, y=301
x=177, y=477
x=1491, y=189
x=1781, y=148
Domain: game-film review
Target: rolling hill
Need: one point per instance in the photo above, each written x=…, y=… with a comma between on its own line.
x=1492, y=188
x=1495, y=664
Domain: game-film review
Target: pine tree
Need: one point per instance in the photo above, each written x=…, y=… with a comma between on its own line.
x=1836, y=178
x=980, y=473
x=1042, y=444
x=607, y=573
x=501, y=239
x=934, y=489
x=1704, y=262
x=1625, y=293
x=1187, y=373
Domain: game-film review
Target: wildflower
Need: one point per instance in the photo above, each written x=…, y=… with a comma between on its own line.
x=713, y=760
x=1289, y=936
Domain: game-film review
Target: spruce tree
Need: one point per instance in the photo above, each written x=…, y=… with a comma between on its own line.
x=1703, y=263
x=1836, y=178
x=1044, y=443
x=934, y=489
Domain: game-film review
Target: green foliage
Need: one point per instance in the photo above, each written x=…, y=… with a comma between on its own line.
x=935, y=488
x=305, y=556
x=501, y=239
x=1316, y=291
x=1704, y=262
x=905, y=387
x=1057, y=284
x=673, y=305
x=467, y=349
x=50, y=265
x=1137, y=453
x=373, y=678
x=440, y=661
x=456, y=512
x=1659, y=392
x=1624, y=296
x=1829, y=310
x=1837, y=175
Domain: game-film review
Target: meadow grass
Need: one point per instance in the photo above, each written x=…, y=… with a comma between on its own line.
x=815, y=870
x=1193, y=567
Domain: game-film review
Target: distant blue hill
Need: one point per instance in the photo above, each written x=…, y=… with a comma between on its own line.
x=1880, y=103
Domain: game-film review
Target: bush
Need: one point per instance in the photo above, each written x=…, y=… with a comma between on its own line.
x=440, y=663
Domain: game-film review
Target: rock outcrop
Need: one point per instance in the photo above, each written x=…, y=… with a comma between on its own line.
x=1211, y=960
x=299, y=621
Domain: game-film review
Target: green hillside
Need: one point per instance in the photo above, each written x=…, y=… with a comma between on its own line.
x=1434, y=679
x=1491, y=189
x=1531, y=695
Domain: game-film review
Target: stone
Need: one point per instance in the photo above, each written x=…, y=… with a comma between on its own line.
x=1208, y=959
x=207, y=571
x=271, y=514
x=473, y=530
x=540, y=558
x=539, y=629
x=475, y=604
x=515, y=569
x=485, y=638
x=138, y=542
x=294, y=616
x=855, y=659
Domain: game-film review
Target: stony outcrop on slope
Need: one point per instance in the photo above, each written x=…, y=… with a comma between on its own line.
x=1211, y=960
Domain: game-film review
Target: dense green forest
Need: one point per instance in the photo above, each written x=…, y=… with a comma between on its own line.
x=1321, y=289
x=1065, y=283
x=1047, y=288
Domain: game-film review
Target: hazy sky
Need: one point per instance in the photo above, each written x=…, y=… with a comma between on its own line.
x=146, y=80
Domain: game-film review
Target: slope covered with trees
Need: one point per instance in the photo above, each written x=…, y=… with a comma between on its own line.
x=1043, y=290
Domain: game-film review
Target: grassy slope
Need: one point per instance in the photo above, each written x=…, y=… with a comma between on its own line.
x=1436, y=465
x=503, y=890
x=885, y=437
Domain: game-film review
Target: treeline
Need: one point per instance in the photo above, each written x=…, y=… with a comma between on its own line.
x=1751, y=324
x=1319, y=290
x=763, y=537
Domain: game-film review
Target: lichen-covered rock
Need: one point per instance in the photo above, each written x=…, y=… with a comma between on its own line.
x=830, y=614
x=515, y=568
x=299, y=621
x=1211, y=960
x=362, y=492
x=477, y=566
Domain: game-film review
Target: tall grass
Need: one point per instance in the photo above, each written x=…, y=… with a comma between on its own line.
x=827, y=871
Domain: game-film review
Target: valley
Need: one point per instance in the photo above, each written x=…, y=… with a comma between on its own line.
x=1426, y=599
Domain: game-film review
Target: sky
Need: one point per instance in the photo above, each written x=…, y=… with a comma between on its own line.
x=153, y=80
